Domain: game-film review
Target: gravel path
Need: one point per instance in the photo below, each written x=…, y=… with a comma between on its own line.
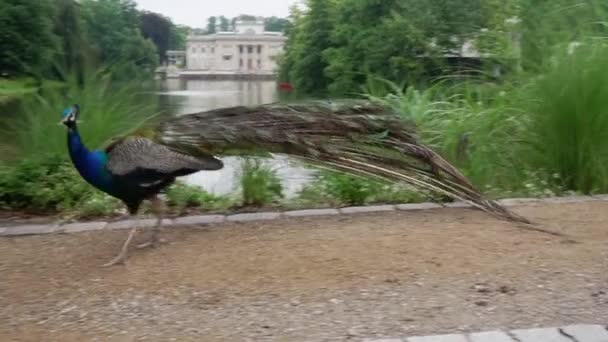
x=333, y=278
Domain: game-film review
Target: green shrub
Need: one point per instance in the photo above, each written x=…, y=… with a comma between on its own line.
x=260, y=184
x=348, y=189
x=181, y=196
x=335, y=188
x=51, y=185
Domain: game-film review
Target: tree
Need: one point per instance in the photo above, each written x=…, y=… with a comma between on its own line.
x=275, y=24
x=113, y=29
x=158, y=29
x=338, y=44
x=211, y=24
x=224, y=24
x=27, y=42
x=73, y=52
x=309, y=38
x=179, y=34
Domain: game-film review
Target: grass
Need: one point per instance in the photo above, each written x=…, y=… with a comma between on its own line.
x=536, y=134
x=568, y=122
x=12, y=88
x=260, y=184
x=107, y=110
x=338, y=189
x=181, y=196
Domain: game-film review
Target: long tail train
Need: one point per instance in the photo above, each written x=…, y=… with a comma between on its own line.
x=361, y=139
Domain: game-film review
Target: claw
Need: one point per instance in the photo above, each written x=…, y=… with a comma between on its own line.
x=122, y=256
x=119, y=259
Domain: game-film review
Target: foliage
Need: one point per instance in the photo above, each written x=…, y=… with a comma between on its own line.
x=348, y=189
x=550, y=26
x=551, y=125
x=260, y=184
x=335, y=45
x=27, y=43
x=44, y=38
x=224, y=24
x=211, y=25
x=15, y=87
x=34, y=132
x=113, y=29
x=74, y=51
x=303, y=63
x=158, y=29
x=51, y=184
x=568, y=124
x=336, y=188
x=181, y=196
x=276, y=24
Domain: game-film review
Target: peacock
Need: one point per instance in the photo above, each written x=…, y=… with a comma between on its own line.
x=357, y=137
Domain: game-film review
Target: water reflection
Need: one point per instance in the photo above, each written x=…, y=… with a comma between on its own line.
x=190, y=96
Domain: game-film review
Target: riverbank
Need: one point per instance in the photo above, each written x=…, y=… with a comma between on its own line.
x=345, y=277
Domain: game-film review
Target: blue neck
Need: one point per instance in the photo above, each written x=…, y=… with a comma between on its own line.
x=90, y=165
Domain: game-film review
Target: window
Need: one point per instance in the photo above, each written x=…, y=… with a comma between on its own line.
x=249, y=64
x=193, y=49
x=240, y=48
x=212, y=50
x=250, y=49
x=203, y=50
x=227, y=57
x=259, y=48
x=241, y=62
x=259, y=64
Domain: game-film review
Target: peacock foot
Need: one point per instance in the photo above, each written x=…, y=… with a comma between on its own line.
x=119, y=259
x=154, y=242
x=122, y=256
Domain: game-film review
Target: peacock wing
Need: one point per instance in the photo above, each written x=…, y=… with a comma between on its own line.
x=144, y=160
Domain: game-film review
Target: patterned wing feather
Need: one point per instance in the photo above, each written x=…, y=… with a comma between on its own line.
x=136, y=155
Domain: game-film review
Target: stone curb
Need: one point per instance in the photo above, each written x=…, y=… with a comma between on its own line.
x=311, y=212
x=199, y=220
x=571, y=333
x=254, y=217
x=367, y=209
x=268, y=216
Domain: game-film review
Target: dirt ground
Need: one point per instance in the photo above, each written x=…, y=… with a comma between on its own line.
x=318, y=279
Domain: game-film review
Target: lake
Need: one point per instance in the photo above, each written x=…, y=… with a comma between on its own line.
x=189, y=96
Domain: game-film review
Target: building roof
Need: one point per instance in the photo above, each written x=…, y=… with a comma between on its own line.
x=267, y=36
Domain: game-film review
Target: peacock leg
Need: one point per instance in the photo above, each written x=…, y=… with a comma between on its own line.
x=158, y=209
x=122, y=256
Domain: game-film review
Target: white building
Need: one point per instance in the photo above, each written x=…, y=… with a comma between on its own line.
x=248, y=50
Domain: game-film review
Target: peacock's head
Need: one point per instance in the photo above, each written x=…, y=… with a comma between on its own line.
x=70, y=115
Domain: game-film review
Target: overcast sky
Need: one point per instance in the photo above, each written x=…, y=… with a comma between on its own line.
x=194, y=13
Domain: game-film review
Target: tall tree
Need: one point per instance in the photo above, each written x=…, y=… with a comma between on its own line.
x=224, y=24
x=337, y=44
x=113, y=28
x=27, y=42
x=179, y=33
x=157, y=28
x=211, y=25
x=310, y=37
x=275, y=24
x=74, y=52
